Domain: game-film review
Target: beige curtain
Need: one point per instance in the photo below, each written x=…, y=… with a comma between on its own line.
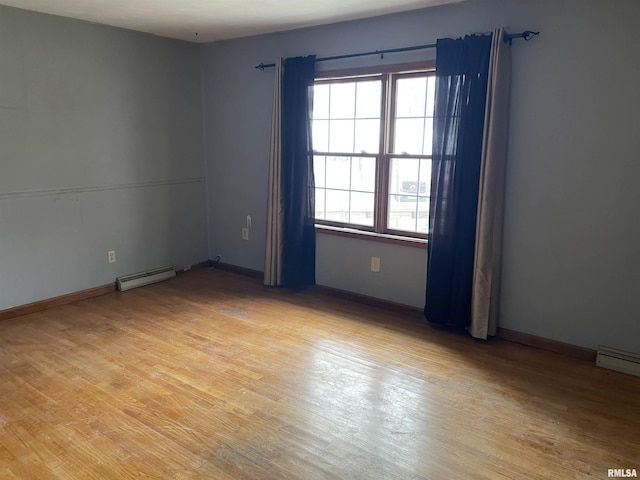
x=488, y=252
x=275, y=208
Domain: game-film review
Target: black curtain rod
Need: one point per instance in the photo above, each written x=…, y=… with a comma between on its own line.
x=508, y=38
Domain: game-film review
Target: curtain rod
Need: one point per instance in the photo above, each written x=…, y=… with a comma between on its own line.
x=508, y=38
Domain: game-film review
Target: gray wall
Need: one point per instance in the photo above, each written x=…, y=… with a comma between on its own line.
x=571, y=258
x=100, y=149
x=345, y=263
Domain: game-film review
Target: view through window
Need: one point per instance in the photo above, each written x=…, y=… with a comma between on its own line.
x=372, y=141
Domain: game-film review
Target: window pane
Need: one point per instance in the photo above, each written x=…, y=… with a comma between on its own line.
x=343, y=100
x=409, y=188
x=337, y=208
x=411, y=97
x=408, y=135
x=321, y=101
x=320, y=135
x=318, y=170
x=362, y=208
x=431, y=95
x=402, y=212
x=368, y=99
x=423, y=196
x=423, y=215
x=403, y=176
x=428, y=136
x=338, y=172
x=425, y=177
x=367, y=138
x=320, y=204
x=341, y=136
x=363, y=174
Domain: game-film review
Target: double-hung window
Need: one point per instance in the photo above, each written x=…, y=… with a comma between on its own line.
x=372, y=141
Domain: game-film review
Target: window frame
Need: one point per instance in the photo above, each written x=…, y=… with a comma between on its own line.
x=388, y=74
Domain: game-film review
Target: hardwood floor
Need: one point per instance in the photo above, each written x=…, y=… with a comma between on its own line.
x=214, y=376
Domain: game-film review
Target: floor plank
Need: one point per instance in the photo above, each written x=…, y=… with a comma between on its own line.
x=212, y=375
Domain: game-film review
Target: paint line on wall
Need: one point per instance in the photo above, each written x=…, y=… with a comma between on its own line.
x=97, y=188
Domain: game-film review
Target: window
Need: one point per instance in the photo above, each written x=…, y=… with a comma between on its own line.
x=372, y=136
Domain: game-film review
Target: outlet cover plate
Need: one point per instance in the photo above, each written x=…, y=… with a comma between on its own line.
x=375, y=264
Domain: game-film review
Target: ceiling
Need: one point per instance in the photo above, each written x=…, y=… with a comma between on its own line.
x=215, y=20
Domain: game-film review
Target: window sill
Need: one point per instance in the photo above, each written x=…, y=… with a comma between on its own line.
x=372, y=236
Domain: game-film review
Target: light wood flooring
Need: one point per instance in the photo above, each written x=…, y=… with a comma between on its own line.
x=213, y=376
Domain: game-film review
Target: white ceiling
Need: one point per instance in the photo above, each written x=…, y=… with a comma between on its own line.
x=218, y=19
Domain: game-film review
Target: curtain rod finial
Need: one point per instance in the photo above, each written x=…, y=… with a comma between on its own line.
x=526, y=36
x=262, y=66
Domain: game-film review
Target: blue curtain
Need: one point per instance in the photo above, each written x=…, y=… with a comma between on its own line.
x=299, y=242
x=461, y=90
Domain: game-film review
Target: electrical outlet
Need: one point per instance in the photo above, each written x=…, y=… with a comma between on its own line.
x=375, y=264
x=245, y=233
x=111, y=256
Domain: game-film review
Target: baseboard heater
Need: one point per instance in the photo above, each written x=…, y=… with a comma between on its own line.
x=134, y=280
x=613, y=359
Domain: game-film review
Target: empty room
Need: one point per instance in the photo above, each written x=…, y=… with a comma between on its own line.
x=349, y=239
